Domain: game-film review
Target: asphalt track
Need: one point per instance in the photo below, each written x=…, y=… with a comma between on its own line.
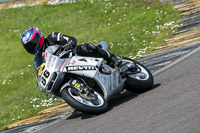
x=172, y=106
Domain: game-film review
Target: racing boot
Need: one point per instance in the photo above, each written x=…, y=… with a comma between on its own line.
x=115, y=61
x=96, y=51
x=111, y=59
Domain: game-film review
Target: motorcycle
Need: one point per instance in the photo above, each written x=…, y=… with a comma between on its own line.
x=87, y=83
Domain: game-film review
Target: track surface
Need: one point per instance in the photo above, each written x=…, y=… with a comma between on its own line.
x=173, y=106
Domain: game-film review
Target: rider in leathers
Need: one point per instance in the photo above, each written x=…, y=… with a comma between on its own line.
x=35, y=43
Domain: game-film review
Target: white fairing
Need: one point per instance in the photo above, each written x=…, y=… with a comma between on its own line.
x=55, y=67
x=89, y=67
x=83, y=66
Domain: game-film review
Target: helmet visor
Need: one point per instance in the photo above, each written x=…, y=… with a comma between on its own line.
x=33, y=46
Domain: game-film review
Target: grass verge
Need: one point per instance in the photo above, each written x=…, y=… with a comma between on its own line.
x=131, y=29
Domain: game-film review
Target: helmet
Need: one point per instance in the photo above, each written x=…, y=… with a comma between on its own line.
x=32, y=39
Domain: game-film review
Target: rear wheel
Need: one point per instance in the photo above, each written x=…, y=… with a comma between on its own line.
x=140, y=79
x=84, y=100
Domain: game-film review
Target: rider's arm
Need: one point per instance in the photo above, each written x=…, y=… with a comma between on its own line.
x=61, y=39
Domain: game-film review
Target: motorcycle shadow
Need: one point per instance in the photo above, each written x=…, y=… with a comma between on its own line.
x=117, y=101
x=125, y=97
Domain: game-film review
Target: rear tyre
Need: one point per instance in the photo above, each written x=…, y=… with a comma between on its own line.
x=93, y=105
x=139, y=82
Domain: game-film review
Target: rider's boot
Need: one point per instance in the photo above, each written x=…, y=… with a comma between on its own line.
x=97, y=51
x=111, y=58
x=115, y=61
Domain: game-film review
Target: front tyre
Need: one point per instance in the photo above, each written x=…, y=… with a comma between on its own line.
x=141, y=81
x=93, y=104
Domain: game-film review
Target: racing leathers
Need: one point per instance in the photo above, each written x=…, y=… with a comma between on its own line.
x=85, y=49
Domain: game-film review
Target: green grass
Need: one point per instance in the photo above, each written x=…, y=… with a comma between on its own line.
x=126, y=25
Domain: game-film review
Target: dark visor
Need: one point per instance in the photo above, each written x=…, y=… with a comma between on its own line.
x=30, y=46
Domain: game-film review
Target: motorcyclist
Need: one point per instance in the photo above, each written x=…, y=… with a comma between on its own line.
x=35, y=43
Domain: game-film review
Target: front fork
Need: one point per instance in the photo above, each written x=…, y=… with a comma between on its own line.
x=78, y=84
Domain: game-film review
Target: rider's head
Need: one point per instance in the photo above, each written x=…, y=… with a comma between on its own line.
x=32, y=39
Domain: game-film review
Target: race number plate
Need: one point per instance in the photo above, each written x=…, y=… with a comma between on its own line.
x=45, y=78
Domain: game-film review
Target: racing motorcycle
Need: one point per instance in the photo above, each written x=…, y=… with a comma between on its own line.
x=87, y=83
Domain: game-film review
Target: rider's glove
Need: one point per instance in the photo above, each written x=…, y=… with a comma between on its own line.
x=65, y=50
x=68, y=46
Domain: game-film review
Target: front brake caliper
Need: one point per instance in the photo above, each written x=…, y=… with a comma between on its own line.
x=76, y=84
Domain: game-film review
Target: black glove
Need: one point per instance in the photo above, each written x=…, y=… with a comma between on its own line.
x=69, y=45
x=65, y=53
x=66, y=47
x=63, y=50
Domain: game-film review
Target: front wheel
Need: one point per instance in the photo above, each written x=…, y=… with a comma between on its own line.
x=89, y=103
x=139, y=81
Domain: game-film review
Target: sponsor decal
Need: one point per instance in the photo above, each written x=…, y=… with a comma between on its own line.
x=119, y=79
x=114, y=80
x=111, y=84
x=83, y=67
x=71, y=62
x=77, y=85
x=61, y=64
x=104, y=80
x=49, y=60
x=53, y=61
x=41, y=69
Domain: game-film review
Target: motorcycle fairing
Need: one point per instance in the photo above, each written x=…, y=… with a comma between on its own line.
x=55, y=69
